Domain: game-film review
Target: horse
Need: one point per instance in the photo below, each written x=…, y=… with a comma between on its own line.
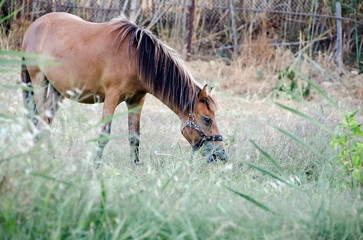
x=114, y=62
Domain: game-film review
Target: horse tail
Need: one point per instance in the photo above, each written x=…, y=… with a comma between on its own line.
x=28, y=92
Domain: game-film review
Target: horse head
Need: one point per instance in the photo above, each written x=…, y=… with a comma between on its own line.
x=200, y=128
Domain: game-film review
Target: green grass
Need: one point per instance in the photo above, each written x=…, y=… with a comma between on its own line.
x=274, y=187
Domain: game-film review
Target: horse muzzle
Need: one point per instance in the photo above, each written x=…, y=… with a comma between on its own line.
x=214, y=152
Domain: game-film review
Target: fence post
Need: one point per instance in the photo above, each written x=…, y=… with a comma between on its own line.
x=190, y=34
x=234, y=30
x=339, y=44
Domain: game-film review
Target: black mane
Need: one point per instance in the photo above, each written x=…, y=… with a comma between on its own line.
x=159, y=66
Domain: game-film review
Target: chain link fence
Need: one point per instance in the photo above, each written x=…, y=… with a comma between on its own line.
x=211, y=15
x=282, y=21
x=101, y=10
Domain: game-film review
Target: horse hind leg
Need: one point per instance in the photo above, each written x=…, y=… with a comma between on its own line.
x=28, y=94
x=40, y=97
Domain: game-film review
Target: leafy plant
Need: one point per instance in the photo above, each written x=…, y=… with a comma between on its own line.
x=288, y=83
x=347, y=140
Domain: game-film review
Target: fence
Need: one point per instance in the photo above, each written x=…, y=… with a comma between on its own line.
x=282, y=21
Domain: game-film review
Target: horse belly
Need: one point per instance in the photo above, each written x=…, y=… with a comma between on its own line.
x=73, y=83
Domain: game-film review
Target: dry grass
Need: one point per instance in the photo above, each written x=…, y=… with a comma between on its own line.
x=250, y=76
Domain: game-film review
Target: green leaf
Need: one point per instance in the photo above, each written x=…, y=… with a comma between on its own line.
x=356, y=130
x=356, y=174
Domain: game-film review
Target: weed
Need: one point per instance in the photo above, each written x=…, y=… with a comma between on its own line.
x=347, y=140
x=288, y=83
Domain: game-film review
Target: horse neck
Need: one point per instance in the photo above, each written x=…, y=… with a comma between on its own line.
x=180, y=112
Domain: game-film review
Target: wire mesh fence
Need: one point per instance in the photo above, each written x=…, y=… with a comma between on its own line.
x=112, y=8
x=283, y=22
x=212, y=10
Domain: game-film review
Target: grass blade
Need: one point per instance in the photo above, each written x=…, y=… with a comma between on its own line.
x=111, y=118
x=300, y=114
x=107, y=138
x=20, y=54
x=250, y=199
x=268, y=157
x=3, y=19
x=16, y=156
x=4, y=116
x=170, y=178
x=297, y=139
x=41, y=175
x=267, y=172
x=319, y=90
x=319, y=68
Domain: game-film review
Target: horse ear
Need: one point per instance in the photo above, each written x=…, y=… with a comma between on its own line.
x=203, y=94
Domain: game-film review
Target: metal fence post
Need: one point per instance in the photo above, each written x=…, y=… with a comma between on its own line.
x=234, y=30
x=339, y=56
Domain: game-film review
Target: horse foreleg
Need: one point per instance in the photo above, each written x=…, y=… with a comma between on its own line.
x=28, y=94
x=103, y=140
x=134, y=106
x=109, y=106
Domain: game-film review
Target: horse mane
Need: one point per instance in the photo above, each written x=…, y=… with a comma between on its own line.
x=159, y=66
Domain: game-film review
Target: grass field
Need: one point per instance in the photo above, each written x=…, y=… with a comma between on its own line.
x=294, y=187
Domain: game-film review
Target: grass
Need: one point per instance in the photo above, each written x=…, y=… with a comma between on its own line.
x=274, y=187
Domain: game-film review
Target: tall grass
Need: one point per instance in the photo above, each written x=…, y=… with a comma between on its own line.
x=276, y=187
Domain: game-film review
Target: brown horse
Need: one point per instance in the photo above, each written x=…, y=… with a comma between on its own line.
x=114, y=62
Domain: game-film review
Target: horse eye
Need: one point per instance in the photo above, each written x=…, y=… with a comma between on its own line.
x=207, y=121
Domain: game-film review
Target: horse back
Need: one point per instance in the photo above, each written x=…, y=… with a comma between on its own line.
x=86, y=52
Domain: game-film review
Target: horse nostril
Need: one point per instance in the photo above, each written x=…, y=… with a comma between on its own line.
x=211, y=158
x=222, y=155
